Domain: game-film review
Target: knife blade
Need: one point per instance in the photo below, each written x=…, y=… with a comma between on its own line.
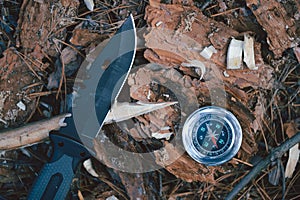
x=72, y=144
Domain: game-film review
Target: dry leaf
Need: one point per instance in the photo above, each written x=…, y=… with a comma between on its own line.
x=291, y=128
x=83, y=37
x=70, y=60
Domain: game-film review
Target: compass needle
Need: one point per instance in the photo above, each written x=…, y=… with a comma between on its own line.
x=214, y=141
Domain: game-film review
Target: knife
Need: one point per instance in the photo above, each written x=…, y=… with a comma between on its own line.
x=73, y=143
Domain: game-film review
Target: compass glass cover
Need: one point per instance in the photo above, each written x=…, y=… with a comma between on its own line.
x=212, y=135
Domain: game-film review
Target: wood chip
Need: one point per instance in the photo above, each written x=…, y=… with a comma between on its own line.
x=207, y=52
x=21, y=105
x=249, y=52
x=234, y=54
x=198, y=65
x=87, y=164
x=89, y=4
x=294, y=153
x=292, y=161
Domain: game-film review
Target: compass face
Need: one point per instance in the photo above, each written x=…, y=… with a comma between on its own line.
x=212, y=135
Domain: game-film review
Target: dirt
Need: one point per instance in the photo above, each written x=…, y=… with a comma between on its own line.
x=46, y=37
x=16, y=84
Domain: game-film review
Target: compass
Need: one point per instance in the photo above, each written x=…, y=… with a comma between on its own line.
x=212, y=135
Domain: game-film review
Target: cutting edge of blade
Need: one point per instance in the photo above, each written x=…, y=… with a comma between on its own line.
x=133, y=56
x=127, y=74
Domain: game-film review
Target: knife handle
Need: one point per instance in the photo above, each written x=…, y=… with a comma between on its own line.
x=54, y=180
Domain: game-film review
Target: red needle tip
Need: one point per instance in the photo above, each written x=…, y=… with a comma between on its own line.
x=214, y=141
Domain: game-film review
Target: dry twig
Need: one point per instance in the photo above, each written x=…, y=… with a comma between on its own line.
x=30, y=134
x=275, y=154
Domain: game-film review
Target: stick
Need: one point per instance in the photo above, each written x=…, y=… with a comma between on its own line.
x=225, y=12
x=29, y=134
x=38, y=131
x=275, y=154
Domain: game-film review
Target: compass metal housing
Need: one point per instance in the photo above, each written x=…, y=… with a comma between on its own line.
x=212, y=135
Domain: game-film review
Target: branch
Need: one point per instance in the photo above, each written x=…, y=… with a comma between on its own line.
x=275, y=154
x=29, y=134
x=37, y=131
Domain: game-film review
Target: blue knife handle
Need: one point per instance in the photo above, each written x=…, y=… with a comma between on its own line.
x=54, y=180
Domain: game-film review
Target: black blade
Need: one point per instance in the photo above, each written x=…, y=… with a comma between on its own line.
x=106, y=76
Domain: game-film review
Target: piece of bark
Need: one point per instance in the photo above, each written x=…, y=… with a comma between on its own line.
x=29, y=134
x=84, y=37
x=186, y=168
x=198, y=34
x=137, y=185
x=169, y=78
x=189, y=92
x=274, y=19
x=171, y=46
x=40, y=23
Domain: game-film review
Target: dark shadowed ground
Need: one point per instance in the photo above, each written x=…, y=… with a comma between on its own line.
x=43, y=43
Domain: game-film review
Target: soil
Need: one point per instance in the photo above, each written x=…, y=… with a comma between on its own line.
x=43, y=43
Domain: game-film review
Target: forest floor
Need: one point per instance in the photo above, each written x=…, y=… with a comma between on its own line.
x=182, y=55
